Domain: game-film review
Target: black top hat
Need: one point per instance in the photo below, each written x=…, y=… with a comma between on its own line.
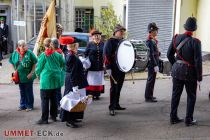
x=191, y=24
x=152, y=27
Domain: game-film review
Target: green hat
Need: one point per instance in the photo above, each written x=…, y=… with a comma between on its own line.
x=2, y=18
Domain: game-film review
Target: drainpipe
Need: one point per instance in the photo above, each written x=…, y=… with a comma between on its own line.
x=25, y=19
x=59, y=11
x=174, y=25
x=18, y=30
x=34, y=17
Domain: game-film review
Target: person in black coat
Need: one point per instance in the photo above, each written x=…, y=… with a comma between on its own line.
x=153, y=62
x=4, y=31
x=110, y=48
x=3, y=38
x=75, y=80
x=186, y=70
x=95, y=74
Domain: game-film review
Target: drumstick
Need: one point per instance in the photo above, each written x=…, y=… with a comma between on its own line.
x=115, y=82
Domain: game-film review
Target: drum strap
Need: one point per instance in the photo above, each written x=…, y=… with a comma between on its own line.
x=179, y=47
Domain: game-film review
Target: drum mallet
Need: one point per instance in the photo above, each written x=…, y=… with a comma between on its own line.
x=110, y=75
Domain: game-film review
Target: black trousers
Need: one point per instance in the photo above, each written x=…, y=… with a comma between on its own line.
x=48, y=97
x=191, y=88
x=4, y=43
x=1, y=50
x=150, y=83
x=116, y=88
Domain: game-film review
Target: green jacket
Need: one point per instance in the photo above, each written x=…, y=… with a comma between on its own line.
x=50, y=69
x=25, y=66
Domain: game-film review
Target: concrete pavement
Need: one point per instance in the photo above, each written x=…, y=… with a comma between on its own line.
x=141, y=121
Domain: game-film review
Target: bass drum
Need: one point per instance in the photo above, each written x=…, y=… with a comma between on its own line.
x=141, y=55
x=125, y=56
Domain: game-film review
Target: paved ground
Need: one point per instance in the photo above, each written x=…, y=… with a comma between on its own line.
x=141, y=121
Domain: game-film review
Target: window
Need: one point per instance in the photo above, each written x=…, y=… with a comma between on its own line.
x=2, y=11
x=84, y=19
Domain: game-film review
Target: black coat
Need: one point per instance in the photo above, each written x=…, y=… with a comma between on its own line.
x=153, y=53
x=95, y=53
x=110, y=50
x=75, y=74
x=190, y=53
x=4, y=32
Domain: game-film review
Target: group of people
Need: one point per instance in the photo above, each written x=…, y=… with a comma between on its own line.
x=56, y=67
x=184, y=54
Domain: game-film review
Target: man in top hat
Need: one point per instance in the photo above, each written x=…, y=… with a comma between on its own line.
x=153, y=62
x=110, y=48
x=186, y=70
x=3, y=34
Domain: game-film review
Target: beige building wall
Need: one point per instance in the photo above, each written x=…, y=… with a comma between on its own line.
x=203, y=18
x=199, y=9
x=185, y=8
x=84, y=3
x=67, y=14
x=98, y=4
x=119, y=7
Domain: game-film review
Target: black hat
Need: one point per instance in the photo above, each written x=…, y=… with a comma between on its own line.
x=95, y=32
x=190, y=24
x=152, y=27
x=119, y=27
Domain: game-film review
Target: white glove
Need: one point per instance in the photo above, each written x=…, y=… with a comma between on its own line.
x=81, y=58
x=4, y=38
x=109, y=71
x=156, y=69
x=76, y=89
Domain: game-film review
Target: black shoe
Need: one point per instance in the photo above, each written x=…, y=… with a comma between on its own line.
x=176, y=120
x=77, y=121
x=53, y=119
x=96, y=98
x=120, y=108
x=209, y=95
x=151, y=100
x=71, y=124
x=154, y=98
x=112, y=112
x=190, y=123
x=42, y=122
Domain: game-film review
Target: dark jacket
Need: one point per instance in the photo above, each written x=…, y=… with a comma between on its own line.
x=110, y=49
x=4, y=32
x=75, y=71
x=187, y=65
x=95, y=53
x=153, y=53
